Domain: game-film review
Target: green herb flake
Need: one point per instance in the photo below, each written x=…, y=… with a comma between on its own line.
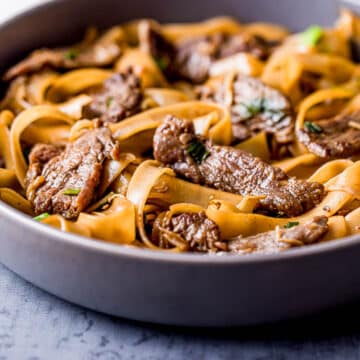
x=251, y=109
x=109, y=101
x=162, y=62
x=71, y=192
x=312, y=127
x=71, y=54
x=197, y=151
x=291, y=224
x=259, y=106
x=312, y=35
x=41, y=217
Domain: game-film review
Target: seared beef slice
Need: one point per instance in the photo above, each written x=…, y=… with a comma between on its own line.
x=102, y=51
x=190, y=60
x=254, y=107
x=119, y=97
x=201, y=233
x=333, y=138
x=281, y=239
x=66, y=183
x=232, y=170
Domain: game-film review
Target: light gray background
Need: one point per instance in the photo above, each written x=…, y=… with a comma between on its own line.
x=11, y=7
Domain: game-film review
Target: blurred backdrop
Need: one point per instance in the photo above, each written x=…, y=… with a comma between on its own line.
x=11, y=7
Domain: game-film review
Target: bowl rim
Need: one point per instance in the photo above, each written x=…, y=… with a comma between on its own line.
x=145, y=254
x=120, y=250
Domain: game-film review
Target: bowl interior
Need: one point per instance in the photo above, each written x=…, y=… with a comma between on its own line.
x=41, y=27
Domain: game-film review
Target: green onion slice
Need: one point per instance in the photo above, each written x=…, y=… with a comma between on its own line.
x=312, y=35
x=291, y=224
x=71, y=192
x=41, y=216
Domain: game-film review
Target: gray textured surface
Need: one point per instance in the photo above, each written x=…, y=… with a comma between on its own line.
x=35, y=325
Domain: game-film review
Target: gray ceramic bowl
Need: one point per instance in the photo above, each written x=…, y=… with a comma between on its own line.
x=182, y=289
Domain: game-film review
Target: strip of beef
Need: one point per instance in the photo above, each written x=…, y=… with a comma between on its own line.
x=201, y=233
x=39, y=155
x=232, y=170
x=281, y=239
x=119, y=97
x=101, y=52
x=333, y=138
x=65, y=182
x=254, y=106
x=191, y=60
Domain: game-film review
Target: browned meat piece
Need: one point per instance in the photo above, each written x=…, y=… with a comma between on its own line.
x=119, y=97
x=194, y=57
x=66, y=183
x=37, y=61
x=101, y=52
x=254, y=107
x=40, y=154
x=232, y=170
x=191, y=60
x=155, y=44
x=281, y=239
x=201, y=233
x=332, y=138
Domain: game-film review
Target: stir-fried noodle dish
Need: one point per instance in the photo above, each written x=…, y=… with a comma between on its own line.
x=211, y=137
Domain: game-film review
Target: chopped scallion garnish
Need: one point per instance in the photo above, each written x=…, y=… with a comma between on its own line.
x=291, y=224
x=197, y=151
x=312, y=127
x=41, y=216
x=259, y=106
x=109, y=101
x=312, y=35
x=253, y=108
x=71, y=54
x=162, y=62
x=71, y=192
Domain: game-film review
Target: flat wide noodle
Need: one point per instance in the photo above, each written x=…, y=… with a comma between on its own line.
x=181, y=32
x=353, y=222
x=138, y=191
x=257, y=145
x=6, y=118
x=116, y=224
x=8, y=178
x=288, y=165
x=235, y=223
x=14, y=199
x=125, y=190
x=347, y=181
x=242, y=63
x=171, y=190
x=220, y=131
x=38, y=86
x=330, y=170
x=76, y=81
x=165, y=97
x=144, y=66
x=22, y=121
